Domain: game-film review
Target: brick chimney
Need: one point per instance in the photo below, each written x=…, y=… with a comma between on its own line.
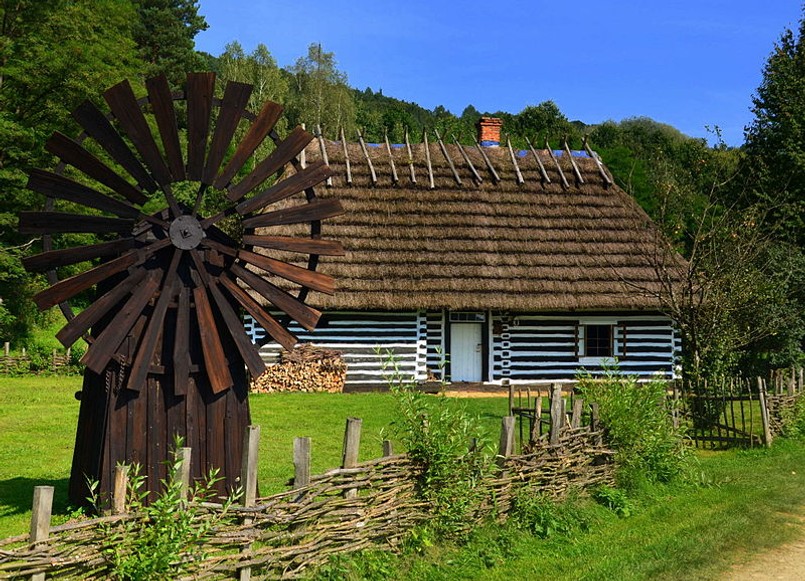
x=489, y=131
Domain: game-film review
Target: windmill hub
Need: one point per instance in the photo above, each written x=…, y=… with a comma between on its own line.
x=186, y=232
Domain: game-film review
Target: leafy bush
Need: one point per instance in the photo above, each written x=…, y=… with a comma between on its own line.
x=638, y=425
x=793, y=419
x=544, y=517
x=614, y=499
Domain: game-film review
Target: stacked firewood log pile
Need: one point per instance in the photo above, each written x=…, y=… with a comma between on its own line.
x=306, y=368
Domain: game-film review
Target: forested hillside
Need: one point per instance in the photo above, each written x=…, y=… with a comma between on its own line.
x=735, y=213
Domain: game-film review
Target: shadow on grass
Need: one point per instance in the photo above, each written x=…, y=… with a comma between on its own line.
x=16, y=494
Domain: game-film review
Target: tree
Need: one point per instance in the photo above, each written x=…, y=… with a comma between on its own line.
x=258, y=69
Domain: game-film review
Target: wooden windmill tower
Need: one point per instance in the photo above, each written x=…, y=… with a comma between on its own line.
x=177, y=257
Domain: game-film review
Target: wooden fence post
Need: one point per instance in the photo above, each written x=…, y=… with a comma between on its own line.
x=792, y=382
x=557, y=413
x=121, y=486
x=578, y=409
x=40, y=519
x=506, y=446
x=301, y=462
x=248, y=479
x=185, y=454
x=510, y=389
x=388, y=448
x=352, y=444
x=764, y=412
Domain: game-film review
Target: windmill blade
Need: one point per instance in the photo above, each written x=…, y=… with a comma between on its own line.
x=54, y=222
x=286, y=150
x=82, y=322
x=260, y=127
x=56, y=186
x=215, y=360
x=145, y=351
x=291, y=244
x=266, y=321
x=296, y=309
x=313, y=174
x=317, y=210
x=70, y=151
x=307, y=278
x=69, y=287
x=181, y=345
x=97, y=126
x=236, y=97
x=200, y=87
x=234, y=325
x=106, y=344
x=124, y=106
x=56, y=258
x=159, y=95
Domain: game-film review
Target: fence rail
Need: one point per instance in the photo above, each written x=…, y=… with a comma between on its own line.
x=20, y=362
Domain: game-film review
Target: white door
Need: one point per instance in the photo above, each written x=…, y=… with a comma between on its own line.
x=466, y=351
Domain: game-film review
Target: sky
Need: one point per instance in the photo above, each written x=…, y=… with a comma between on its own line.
x=691, y=64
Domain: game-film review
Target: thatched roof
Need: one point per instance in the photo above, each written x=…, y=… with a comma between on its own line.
x=504, y=245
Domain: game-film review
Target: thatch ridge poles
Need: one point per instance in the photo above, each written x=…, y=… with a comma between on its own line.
x=368, y=159
x=394, y=176
x=427, y=159
x=467, y=159
x=539, y=161
x=447, y=156
x=489, y=165
x=410, y=157
x=323, y=150
x=594, y=155
x=302, y=157
x=346, y=157
x=573, y=162
x=556, y=163
x=520, y=180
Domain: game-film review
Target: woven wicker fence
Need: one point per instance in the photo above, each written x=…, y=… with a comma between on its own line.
x=356, y=506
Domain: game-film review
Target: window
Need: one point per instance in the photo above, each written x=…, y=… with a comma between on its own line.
x=598, y=341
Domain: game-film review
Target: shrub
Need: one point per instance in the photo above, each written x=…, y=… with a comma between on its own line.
x=544, y=517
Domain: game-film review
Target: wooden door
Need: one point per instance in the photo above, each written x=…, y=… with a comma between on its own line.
x=466, y=352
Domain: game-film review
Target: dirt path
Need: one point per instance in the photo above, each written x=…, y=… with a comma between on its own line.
x=783, y=563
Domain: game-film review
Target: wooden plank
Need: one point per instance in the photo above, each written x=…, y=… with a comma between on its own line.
x=55, y=258
x=286, y=150
x=308, y=278
x=63, y=222
x=71, y=152
x=291, y=244
x=296, y=309
x=236, y=97
x=200, y=87
x=506, y=444
x=234, y=325
x=352, y=443
x=106, y=344
x=215, y=361
x=97, y=126
x=314, y=174
x=301, y=462
x=557, y=413
x=181, y=346
x=249, y=463
x=81, y=323
x=316, y=210
x=159, y=95
x=56, y=186
x=265, y=320
x=120, y=488
x=40, y=520
x=260, y=127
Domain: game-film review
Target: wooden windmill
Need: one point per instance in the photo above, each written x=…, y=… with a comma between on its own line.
x=167, y=350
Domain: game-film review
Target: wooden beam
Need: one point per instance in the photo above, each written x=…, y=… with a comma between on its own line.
x=431, y=183
x=447, y=157
x=518, y=173
x=468, y=161
x=489, y=165
x=539, y=162
x=394, y=178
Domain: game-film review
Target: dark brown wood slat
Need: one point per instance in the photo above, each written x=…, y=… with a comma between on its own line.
x=69, y=287
x=234, y=325
x=56, y=186
x=55, y=258
x=200, y=88
x=55, y=222
x=145, y=352
x=236, y=97
x=313, y=174
x=107, y=343
x=287, y=150
x=97, y=126
x=317, y=210
x=181, y=346
x=266, y=321
x=260, y=127
x=219, y=247
x=215, y=361
x=313, y=280
x=82, y=322
x=290, y=244
x=71, y=152
x=124, y=105
x=296, y=309
x=159, y=95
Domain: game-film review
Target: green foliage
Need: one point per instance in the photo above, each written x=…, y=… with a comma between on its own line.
x=639, y=428
x=368, y=565
x=794, y=419
x=169, y=535
x=615, y=499
x=544, y=517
